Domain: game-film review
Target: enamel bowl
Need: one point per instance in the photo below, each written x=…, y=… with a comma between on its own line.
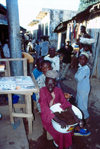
x=69, y=128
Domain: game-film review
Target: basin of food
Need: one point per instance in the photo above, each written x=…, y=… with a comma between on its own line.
x=68, y=128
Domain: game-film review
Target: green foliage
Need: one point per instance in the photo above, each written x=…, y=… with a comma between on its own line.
x=85, y=3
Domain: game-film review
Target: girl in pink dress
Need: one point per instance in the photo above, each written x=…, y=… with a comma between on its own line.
x=49, y=95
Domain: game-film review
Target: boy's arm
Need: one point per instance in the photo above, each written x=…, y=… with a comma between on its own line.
x=82, y=73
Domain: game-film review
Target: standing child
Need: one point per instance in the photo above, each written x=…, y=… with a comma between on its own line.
x=83, y=84
x=65, y=53
x=53, y=58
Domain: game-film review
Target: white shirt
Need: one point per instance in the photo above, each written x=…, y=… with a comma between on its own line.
x=82, y=78
x=55, y=61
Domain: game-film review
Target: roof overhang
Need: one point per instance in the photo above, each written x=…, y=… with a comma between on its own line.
x=95, y=7
x=61, y=27
x=3, y=9
x=90, y=11
x=34, y=22
x=41, y=15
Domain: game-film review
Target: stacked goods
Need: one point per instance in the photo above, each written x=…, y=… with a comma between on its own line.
x=67, y=116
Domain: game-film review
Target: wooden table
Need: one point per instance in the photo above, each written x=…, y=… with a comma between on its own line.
x=23, y=85
x=8, y=61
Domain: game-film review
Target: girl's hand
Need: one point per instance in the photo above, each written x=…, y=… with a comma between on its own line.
x=53, y=97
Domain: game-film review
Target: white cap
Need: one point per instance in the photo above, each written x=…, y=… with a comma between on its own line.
x=85, y=54
x=52, y=74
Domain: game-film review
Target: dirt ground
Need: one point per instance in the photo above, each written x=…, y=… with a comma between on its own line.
x=79, y=142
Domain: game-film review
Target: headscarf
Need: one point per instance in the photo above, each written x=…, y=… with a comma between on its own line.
x=52, y=74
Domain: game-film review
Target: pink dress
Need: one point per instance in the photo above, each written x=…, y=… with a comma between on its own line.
x=63, y=140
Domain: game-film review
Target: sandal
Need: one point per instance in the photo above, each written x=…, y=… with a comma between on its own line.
x=82, y=132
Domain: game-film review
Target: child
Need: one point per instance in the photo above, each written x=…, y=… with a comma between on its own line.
x=45, y=66
x=65, y=53
x=53, y=58
x=49, y=95
x=37, y=71
x=83, y=84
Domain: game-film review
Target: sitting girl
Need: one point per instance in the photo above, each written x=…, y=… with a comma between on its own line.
x=49, y=95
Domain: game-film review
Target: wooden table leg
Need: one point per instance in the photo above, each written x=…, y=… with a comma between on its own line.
x=10, y=107
x=29, y=111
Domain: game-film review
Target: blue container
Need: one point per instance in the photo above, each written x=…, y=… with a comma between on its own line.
x=15, y=99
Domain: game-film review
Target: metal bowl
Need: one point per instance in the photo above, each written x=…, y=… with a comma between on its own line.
x=69, y=128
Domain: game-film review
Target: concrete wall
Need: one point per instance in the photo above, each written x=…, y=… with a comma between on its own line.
x=52, y=19
x=93, y=27
x=57, y=16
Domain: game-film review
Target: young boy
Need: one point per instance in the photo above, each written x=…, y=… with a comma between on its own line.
x=83, y=84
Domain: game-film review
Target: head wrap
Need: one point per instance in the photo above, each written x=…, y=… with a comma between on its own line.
x=85, y=54
x=87, y=41
x=52, y=74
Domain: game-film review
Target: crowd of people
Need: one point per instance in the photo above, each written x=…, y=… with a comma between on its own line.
x=52, y=66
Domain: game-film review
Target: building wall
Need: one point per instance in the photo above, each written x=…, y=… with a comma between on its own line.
x=48, y=23
x=92, y=23
x=57, y=16
x=93, y=27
